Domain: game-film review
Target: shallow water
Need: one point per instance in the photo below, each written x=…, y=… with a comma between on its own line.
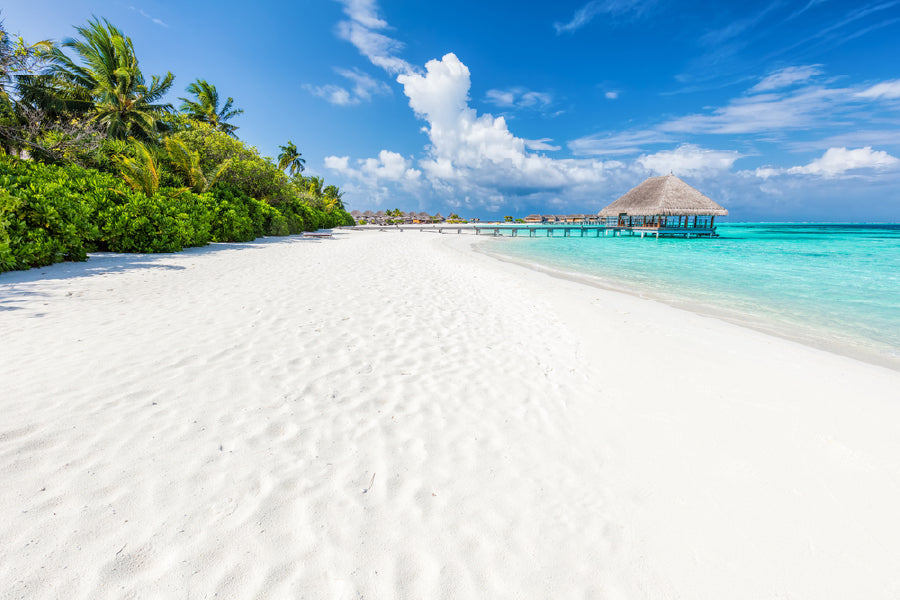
x=829, y=285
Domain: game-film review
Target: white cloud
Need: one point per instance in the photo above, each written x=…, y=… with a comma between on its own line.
x=787, y=77
x=803, y=108
x=362, y=30
x=364, y=87
x=340, y=164
x=518, y=98
x=389, y=166
x=335, y=94
x=364, y=12
x=144, y=14
x=541, y=144
x=689, y=160
x=838, y=161
x=479, y=151
x=626, y=142
x=888, y=136
x=613, y=8
x=887, y=89
x=766, y=172
x=834, y=163
x=611, y=95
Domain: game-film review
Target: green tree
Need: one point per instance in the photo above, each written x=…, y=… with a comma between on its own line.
x=312, y=185
x=333, y=197
x=103, y=82
x=17, y=59
x=289, y=158
x=205, y=107
x=247, y=171
x=186, y=163
x=140, y=170
x=508, y=219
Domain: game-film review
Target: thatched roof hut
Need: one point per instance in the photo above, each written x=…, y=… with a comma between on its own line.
x=664, y=196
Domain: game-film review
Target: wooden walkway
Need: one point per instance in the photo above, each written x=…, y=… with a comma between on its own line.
x=562, y=230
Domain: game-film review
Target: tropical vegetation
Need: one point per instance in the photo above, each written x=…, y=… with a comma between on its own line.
x=93, y=158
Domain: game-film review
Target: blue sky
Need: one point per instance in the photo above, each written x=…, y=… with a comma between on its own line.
x=784, y=110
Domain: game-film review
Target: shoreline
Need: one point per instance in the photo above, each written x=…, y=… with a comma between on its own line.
x=804, y=336
x=404, y=416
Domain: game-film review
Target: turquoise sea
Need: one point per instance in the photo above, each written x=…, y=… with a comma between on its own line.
x=835, y=286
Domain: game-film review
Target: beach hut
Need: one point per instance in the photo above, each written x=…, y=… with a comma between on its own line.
x=533, y=219
x=666, y=205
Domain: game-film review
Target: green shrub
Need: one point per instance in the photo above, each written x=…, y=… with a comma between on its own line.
x=166, y=222
x=51, y=213
x=240, y=218
x=247, y=171
x=43, y=217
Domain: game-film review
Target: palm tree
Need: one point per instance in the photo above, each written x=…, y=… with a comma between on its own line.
x=334, y=197
x=206, y=108
x=106, y=84
x=290, y=159
x=313, y=185
x=186, y=162
x=140, y=171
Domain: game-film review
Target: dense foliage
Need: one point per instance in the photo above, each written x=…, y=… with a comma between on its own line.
x=50, y=213
x=91, y=159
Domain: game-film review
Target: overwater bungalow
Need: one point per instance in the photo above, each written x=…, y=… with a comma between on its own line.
x=533, y=219
x=664, y=206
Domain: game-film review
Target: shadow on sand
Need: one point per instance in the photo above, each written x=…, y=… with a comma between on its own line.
x=105, y=263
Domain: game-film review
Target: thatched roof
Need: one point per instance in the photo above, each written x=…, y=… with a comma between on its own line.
x=665, y=196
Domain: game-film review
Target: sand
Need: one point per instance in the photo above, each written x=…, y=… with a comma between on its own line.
x=393, y=415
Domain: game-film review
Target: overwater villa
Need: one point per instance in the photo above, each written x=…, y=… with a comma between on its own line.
x=664, y=206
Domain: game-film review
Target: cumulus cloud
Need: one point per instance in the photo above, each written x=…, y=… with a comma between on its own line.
x=889, y=90
x=838, y=161
x=834, y=163
x=364, y=87
x=467, y=149
x=611, y=95
x=389, y=166
x=689, y=160
x=787, y=77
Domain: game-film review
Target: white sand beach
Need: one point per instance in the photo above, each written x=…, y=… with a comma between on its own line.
x=393, y=415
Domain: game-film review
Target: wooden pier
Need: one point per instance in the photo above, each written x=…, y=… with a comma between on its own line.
x=556, y=230
x=588, y=230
